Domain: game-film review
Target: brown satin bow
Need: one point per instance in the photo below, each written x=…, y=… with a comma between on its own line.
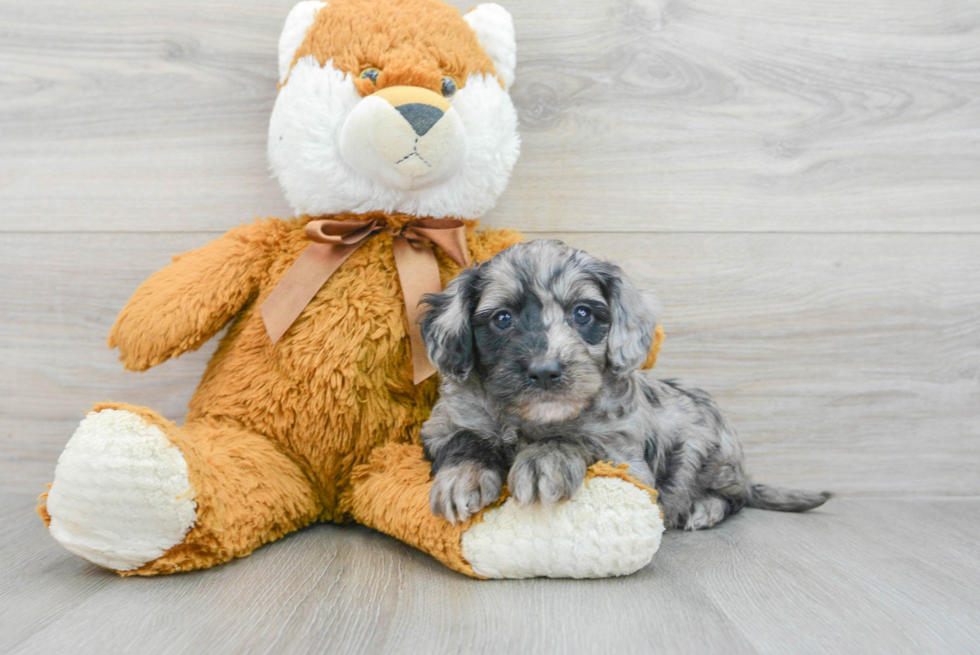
x=335, y=241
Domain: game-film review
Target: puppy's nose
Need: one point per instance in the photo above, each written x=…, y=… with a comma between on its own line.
x=545, y=374
x=420, y=117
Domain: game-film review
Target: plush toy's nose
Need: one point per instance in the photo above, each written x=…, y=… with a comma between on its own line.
x=422, y=108
x=420, y=117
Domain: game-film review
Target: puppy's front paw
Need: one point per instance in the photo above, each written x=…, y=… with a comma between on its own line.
x=548, y=474
x=460, y=491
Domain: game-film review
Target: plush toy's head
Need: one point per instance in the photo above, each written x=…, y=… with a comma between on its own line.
x=396, y=106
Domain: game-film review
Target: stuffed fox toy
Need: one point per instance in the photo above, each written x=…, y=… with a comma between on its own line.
x=393, y=124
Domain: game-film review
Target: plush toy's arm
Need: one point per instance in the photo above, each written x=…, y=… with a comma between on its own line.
x=486, y=242
x=658, y=339
x=183, y=305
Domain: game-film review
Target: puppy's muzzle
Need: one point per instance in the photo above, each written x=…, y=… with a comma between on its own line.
x=404, y=137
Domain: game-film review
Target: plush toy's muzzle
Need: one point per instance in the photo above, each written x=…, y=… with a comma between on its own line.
x=404, y=137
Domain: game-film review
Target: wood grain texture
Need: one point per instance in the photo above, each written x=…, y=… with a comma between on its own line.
x=859, y=575
x=849, y=362
x=637, y=115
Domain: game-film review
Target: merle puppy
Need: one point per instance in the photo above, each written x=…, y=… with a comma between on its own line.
x=539, y=350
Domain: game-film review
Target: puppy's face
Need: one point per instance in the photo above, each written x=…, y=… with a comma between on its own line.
x=543, y=326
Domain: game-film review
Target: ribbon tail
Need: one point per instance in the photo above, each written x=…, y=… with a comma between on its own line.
x=297, y=288
x=418, y=272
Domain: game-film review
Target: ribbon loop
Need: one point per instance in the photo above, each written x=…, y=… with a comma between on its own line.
x=342, y=232
x=334, y=241
x=447, y=233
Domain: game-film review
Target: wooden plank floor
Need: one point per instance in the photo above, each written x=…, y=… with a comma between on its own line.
x=799, y=181
x=859, y=576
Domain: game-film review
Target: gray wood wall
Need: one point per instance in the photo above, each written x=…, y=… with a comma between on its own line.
x=798, y=180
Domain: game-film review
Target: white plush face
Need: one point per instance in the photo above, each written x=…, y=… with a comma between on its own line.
x=405, y=138
x=403, y=148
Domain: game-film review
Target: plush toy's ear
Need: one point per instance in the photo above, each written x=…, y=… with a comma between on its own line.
x=495, y=30
x=294, y=31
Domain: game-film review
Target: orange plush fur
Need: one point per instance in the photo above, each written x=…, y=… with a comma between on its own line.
x=323, y=425
x=412, y=42
x=274, y=432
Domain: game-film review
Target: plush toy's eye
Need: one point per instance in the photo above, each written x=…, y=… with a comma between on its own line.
x=448, y=87
x=370, y=74
x=582, y=315
x=502, y=319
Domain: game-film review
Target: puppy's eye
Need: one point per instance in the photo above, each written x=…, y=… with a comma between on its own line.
x=582, y=315
x=502, y=320
x=448, y=87
x=370, y=74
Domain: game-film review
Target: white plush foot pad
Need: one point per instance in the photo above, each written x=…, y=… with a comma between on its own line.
x=121, y=496
x=609, y=527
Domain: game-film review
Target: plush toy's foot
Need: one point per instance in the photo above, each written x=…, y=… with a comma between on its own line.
x=137, y=494
x=612, y=526
x=121, y=496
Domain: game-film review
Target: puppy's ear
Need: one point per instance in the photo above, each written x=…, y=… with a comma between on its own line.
x=446, y=326
x=632, y=323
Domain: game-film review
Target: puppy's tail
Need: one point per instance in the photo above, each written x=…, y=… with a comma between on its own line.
x=763, y=496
